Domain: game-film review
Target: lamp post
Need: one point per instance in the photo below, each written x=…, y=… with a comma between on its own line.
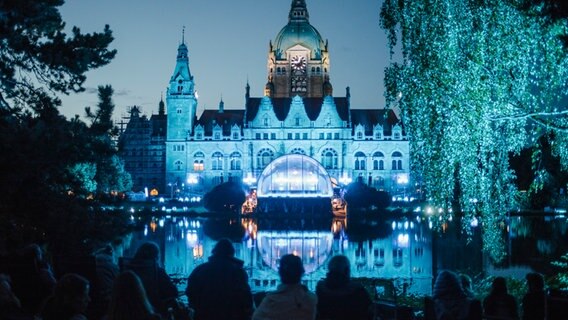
x=171, y=190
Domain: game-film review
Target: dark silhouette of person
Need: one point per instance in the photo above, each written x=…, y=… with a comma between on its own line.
x=534, y=301
x=466, y=285
x=291, y=300
x=159, y=287
x=129, y=300
x=340, y=298
x=106, y=272
x=449, y=301
x=69, y=300
x=218, y=289
x=10, y=307
x=499, y=304
x=33, y=285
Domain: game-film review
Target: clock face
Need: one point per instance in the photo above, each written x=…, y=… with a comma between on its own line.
x=298, y=63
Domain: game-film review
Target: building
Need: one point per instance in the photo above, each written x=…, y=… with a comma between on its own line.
x=142, y=146
x=298, y=114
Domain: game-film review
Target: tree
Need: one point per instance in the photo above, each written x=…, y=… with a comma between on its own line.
x=479, y=80
x=38, y=58
x=360, y=196
x=228, y=196
x=50, y=164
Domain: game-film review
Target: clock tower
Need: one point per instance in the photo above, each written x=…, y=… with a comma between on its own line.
x=298, y=60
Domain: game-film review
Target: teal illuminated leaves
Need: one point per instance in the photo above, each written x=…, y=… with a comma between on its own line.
x=477, y=78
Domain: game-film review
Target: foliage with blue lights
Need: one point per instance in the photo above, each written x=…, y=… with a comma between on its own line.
x=477, y=82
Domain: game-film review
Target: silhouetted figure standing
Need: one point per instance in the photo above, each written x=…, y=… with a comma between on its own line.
x=291, y=300
x=159, y=287
x=219, y=289
x=10, y=307
x=466, y=285
x=534, y=301
x=32, y=289
x=69, y=300
x=499, y=304
x=129, y=300
x=449, y=302
x=340, y=298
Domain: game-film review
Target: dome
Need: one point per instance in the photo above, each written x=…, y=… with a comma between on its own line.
x=294, y=176
x=302, y=33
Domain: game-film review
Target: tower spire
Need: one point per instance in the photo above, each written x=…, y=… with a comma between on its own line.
x=298, y=11
x=183, y=35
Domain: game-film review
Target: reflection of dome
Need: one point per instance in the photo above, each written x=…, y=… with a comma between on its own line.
x=314, y=247
x=294, y=176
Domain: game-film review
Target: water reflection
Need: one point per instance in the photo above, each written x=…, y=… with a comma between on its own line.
x=376, y=248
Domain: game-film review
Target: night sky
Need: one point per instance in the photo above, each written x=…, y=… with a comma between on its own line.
x=228, y=44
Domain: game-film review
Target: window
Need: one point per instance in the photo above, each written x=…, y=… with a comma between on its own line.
x=396, y=160
x=378, y=134
x=266, y=121
x=178, y=165
x=198, y=162
x=273, y=136
x=198, y=135
x=217, y=135
x=305, y=136
x=329, y=136
x=298, y=121
x=336, y=136
x=360, y=161
x=263, y=158
x=265, y=136
x=235, y=161
x=235, y=135
x=360, y=135
x=257, y=136
x=198, y=165
x=379, y=257
x=297, y=136
x=179, y=147
x=289, y=136
x=397, y=257
x=178, y=111
x=297, y=151
x=322, y=136
x=329, y=158
x=217, y=161
x=378, y=161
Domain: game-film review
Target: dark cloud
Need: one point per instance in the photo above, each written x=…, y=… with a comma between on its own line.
x=123, y=92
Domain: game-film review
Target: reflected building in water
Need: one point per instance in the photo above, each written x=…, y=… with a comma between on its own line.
x=377, y=250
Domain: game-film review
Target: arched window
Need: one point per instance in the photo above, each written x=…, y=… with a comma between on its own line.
x=329, y=158
x=396, y=160
x=360, y=161
x=298, y=151
x=198, y=162
x=217, y=161
x=266, y=121
x=178, y=165
x=235, y=161
x=378, y=161
x=198, y=165
x=264, y=157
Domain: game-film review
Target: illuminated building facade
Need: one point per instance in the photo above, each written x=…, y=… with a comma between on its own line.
x=297, y=114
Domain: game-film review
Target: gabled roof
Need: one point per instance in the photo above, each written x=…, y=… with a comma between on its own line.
x=282, y=107
x=371, y=117
x=225, y=119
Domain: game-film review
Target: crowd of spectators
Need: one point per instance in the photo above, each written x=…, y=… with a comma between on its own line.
x=139, y=288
